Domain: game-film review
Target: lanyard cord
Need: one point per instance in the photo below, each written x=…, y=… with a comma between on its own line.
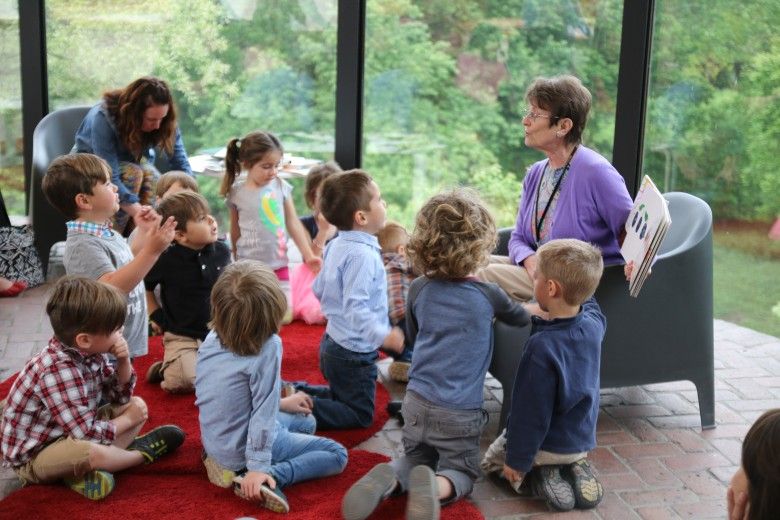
x=540, y=219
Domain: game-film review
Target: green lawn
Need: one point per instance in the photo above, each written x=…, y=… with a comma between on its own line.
x=746, y=289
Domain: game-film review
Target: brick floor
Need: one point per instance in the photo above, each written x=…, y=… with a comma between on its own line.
x=653, y=459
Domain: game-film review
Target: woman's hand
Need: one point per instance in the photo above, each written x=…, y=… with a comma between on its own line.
x=737, y=496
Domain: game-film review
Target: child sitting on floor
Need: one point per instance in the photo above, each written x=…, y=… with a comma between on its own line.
x=185, y=272
x=53, y=427
x=79, y=185
x=237, y=389
x=393, y=239
x=555, y=399
x=450, y=318
x=352, y=289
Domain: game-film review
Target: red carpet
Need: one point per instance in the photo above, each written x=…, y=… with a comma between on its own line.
x=176, y=486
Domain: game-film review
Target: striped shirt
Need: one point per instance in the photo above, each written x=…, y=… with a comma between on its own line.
x=399, y=276
x=56, y=395
x=352, y=290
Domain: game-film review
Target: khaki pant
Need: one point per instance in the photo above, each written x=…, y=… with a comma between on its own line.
x=66, y=457
x=179, y=359
x=512, y=278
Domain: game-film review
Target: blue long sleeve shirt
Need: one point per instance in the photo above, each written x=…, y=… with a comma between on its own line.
x=98, y=135
x=352, y=289
x=238, y=400
x=555, y=399
x=451, y=324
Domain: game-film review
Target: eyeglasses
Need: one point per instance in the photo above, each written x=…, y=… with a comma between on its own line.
x=533, y=115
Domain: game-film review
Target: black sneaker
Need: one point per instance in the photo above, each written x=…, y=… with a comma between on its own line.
x=158, y=442
x=394, y=410
x=154, y=375
x=549, y=484
x=588, y=491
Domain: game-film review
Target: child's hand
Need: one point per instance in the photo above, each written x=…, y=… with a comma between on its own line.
x=120, y=350
x=512, y=475
x=162, y=237
x=533, y=308
x=251, y=482
x=395, y=340
x=314, y=263
x=326, y=230
x=146, y=219
x=299, y=402
x=156, y=329
x=628, y=269
x=737, y=496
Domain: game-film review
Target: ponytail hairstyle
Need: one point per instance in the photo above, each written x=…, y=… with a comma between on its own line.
x=246, y=152
x=127, y=106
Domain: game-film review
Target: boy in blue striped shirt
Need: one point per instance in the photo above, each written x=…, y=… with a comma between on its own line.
x=352, y=289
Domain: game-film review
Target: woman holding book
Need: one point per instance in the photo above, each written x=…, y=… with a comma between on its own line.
x=128, y=128
x=573, y=193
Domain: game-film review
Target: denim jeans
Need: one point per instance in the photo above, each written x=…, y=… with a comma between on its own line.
x=296, y=457
x=352, y=379
x=298, y=422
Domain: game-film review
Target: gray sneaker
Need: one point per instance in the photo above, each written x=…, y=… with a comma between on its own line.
x=273, y=499
x=551, y=486
x=365, y=495
x=423, y=502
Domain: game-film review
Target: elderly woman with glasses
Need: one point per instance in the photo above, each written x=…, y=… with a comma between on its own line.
x=573, y=193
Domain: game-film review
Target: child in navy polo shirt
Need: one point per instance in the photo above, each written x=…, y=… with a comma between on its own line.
x=555, y=399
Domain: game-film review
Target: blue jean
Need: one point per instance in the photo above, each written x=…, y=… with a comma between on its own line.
x=298, y=422
x=296, y=457
x=349, y=400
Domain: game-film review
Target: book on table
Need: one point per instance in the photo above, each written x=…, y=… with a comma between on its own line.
x=646, y=228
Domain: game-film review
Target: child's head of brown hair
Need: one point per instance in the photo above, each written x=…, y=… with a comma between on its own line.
x=453, y=235
x=82, y=305
x=344, y=194
x=317, y=174
x=392, y=237
x=246, y=152
x=247, y=307
x=184, y=206
x=761, y=462
x=574, y=264
x=168, y=179
x=72, y=174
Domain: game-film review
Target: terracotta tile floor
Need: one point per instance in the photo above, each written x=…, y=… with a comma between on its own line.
x=652, y=457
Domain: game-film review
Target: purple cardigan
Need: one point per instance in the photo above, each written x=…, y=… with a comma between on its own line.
x=593, y=206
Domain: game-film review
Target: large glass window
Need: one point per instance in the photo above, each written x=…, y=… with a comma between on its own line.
x=234, y=66
x=445, y=83
x=713, y=130
x=11, y=142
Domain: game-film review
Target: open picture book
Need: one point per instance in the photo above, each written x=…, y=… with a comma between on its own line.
x=646, y=228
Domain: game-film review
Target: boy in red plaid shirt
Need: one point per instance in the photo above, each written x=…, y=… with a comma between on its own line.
x=392, y=240
x=52, y=428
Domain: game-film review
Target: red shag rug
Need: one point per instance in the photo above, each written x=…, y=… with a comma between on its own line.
x=176, y=486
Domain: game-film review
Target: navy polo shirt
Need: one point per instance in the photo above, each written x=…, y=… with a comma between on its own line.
x=186, y=277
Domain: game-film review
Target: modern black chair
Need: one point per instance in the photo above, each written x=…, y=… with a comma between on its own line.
x=666, y=334
x=54, y=136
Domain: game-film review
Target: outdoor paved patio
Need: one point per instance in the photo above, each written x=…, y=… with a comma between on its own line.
x=652, y=456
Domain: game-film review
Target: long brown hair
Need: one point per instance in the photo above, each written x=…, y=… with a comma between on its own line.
x=246, y=151
x=127, y=106
x=761, y=461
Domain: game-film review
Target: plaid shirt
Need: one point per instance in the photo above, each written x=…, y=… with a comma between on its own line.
x=56, y=395
x=399, y=276
x=90, y=228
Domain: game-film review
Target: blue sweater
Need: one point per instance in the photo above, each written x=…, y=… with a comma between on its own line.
x=555, y=399
x=450, y=323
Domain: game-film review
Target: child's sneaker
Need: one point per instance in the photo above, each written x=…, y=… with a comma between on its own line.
x=95, y=485
x=154, y=375
x=273, y=499
x=551, y=486
x=365, y=494
x=399, y=371
x=218, y=475
x=158, y=442
x=423, y=503
x=588, y=491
